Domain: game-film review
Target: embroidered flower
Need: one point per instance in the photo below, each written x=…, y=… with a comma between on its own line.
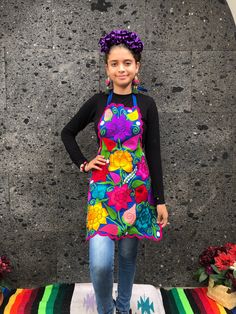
x=99, y=191
x=100, y=175
x=129, y=216
x=121, y=160
x=133, y=116
x=96, y=216
x=119, y=197
x=141, y=193
x=111, y=228
x=119, y=128
x=143, y=170
x=144, y=219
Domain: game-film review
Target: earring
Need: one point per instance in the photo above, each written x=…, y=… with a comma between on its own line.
x=135, y=84
x=108, y=85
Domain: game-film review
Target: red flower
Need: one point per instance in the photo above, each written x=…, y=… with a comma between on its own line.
x=119, y=197
x=223, y=261
x=232, y=252
x=207, y=256
x=100, y=175
x=141, y=194
x=5, y=266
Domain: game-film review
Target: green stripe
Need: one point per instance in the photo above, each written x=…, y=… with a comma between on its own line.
x=178, y=301
x=51, y=301
x=58, y=308
x=184, y=301
x=43, y=302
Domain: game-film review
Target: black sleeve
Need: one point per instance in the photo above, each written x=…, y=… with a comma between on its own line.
x=153, y=152
x=82, y=118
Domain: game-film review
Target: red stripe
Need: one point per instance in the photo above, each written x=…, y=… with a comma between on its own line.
x=198, y=301
x=25, y=300
x=28, y=306
x=16, y=304
x=204, y=300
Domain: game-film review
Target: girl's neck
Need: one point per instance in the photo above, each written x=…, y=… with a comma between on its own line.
x=122, y=91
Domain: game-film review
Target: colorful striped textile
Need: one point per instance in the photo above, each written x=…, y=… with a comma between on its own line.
x=78, y=298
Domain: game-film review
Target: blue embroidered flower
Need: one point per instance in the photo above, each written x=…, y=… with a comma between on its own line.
x=144, y=219
x=99, y=191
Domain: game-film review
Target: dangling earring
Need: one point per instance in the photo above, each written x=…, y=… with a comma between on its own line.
x=108, y=85
x=135, y=84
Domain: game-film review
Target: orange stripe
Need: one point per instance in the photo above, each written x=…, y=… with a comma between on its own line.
x=212, y=302
x=17, y=302
x=11, y=301
x=25, y=300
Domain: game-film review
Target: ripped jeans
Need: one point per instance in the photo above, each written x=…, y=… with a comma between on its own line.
x=101, y=266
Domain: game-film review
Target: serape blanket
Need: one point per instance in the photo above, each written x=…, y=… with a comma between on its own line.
x=79, y=298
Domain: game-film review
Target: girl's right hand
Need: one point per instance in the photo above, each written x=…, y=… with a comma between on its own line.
x=98, y=160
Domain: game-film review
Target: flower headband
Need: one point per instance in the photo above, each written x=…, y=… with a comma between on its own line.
x=116, y=37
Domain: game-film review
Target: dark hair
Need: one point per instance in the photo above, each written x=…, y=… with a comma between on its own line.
x=136, y=55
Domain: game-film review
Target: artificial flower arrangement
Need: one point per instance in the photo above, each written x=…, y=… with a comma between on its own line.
x=5, y=268
x=218, y=263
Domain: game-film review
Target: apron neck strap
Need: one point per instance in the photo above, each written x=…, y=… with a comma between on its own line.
x=111, y=94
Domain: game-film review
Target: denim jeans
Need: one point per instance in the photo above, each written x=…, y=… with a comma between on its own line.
x=101, y=265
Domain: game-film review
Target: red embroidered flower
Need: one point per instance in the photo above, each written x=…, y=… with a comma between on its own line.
x=141, y=194
x=119, y=197
x=223, y=261
x=100, y=175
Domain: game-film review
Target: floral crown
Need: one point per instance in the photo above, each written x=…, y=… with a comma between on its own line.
x=118, y=36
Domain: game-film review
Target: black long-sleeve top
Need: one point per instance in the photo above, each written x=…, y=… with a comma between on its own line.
x=92, y=110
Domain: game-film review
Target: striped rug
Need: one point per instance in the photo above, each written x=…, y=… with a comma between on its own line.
x=65, y=299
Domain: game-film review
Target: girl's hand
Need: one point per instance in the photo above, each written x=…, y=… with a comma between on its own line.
x=162, y=215
x=98, y=160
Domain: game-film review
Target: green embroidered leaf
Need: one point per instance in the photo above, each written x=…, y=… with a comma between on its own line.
x=139, y=151
x=111, y=212
x=136, y=183
x=104, y=151
x=134, y=230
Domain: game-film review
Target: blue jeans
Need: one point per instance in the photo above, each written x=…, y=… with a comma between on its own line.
x=101, y=265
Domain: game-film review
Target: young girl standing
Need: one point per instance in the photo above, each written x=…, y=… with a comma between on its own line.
x=126, y=196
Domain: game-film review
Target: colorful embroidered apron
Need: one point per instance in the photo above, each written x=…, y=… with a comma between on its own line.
x=120, y=196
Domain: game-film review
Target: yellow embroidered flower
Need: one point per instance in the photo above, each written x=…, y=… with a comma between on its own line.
x=133, y=115
x=96, y=216
x=120, y=159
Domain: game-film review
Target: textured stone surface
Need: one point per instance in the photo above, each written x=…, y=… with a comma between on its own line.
x=49, y=65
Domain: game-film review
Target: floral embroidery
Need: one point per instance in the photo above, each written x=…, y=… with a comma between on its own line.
x=119, y=128
x=121, y=160
x=143, y=170
x=141, y=194
x=129, y=216
x=96, y=216
x=120, y=197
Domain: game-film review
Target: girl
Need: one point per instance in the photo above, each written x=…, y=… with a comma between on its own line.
x=125, y=177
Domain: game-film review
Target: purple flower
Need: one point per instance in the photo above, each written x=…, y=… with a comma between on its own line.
x=116, y=37
x=119, y=127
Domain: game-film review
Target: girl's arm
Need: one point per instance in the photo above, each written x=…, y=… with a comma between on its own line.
x=153, y=152
x=81, y=119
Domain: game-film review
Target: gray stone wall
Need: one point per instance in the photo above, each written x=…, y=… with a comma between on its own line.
x=49, y=65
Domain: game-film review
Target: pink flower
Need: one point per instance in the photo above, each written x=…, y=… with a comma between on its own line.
x=143, y=170
x=119, y=197
x=129, y=216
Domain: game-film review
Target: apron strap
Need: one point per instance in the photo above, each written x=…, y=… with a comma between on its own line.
x=110, y=98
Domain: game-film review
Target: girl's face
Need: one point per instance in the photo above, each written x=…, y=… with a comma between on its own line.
x=121, y=67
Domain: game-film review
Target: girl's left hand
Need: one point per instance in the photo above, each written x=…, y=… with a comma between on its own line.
x=162, y=215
